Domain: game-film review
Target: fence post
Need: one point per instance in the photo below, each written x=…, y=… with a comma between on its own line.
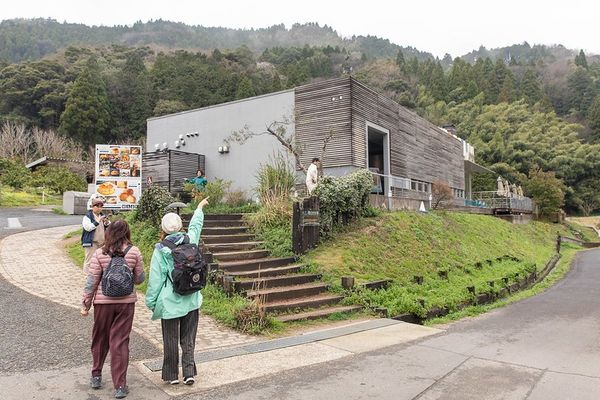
x=305, y=225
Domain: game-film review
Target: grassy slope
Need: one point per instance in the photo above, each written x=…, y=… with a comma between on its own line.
x=401, y=245
x=11, y=198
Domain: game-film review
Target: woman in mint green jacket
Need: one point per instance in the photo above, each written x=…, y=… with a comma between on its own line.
x=178, y=313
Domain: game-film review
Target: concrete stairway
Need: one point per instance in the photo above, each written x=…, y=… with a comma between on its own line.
x=277, y=283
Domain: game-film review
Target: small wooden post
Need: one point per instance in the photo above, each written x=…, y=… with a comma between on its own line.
x=228, y=284
x=305, y=225
x=347, y=282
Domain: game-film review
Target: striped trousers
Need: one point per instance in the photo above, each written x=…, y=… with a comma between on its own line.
x=112, y=326
x=175, y=332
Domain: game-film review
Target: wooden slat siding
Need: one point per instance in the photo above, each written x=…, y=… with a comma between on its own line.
x=177, y=165
x=418, y=149
x=316, y=114
x=155, y=165
x=183, y=165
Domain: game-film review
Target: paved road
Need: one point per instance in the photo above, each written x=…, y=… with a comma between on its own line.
x=31, y=219
x=543, y=348
x=40, y=335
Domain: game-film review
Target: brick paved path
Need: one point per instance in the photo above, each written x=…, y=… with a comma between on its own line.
x=36, y=262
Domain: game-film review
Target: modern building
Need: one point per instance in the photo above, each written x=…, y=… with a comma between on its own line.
x=364, y=129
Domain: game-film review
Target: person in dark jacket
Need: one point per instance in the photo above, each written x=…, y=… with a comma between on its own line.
x=92, y=238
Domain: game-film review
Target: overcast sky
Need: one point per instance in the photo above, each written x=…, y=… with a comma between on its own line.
x=440, y=26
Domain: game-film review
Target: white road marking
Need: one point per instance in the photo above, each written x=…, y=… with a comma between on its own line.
x=13, y=223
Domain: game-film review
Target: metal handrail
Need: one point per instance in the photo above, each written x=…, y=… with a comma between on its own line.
x=491, y=199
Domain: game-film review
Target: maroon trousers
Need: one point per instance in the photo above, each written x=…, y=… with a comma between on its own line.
x=112, y=326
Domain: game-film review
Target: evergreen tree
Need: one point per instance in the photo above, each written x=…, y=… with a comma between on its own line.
x=581, y=90
x=400, y=60
x=593, y=118
x=507, y=92
x=530, y=88
x=86, y=117
x=276, y=84
x=497, y=80
x=580, y=60
x=245, y=89
x=132, y=99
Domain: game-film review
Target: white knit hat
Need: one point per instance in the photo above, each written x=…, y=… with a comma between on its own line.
x=171, y=223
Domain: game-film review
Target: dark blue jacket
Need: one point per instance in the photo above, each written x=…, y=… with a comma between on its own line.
x=87, y=237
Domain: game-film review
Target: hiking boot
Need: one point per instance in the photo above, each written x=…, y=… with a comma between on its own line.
x=121, y=392
x=189, y=380
x=96, y=382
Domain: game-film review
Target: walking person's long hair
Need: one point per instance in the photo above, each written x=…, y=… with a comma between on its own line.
x=118, y=236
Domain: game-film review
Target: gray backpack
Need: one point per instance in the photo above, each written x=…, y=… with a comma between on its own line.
x=117, y=278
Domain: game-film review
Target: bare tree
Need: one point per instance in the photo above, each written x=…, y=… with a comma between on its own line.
x=51, y=144
x=279, y=130
x=441, y=194
x=15, y=142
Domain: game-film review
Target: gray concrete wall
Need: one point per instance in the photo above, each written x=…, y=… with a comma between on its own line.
x=214, y=124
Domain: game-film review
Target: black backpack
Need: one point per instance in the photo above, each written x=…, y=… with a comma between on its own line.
x=190, y=272
x=117, y=279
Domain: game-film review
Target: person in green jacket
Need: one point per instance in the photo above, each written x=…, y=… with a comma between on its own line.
x=199, y=180
x=178, y=313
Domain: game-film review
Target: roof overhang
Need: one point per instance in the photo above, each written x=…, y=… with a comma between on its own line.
x=471, y=167
x=39, y=161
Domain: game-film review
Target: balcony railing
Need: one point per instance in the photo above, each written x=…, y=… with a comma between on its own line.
x=493, y=200
x=395, y=186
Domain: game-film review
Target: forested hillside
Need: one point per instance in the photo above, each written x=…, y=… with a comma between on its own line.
x=23, y=39
x=527, y=109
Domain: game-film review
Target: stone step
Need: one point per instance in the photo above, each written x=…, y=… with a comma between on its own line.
x=320, y=300
x=215, y=217
x=275, y=281
x=266, y=272
x=271, y=295
x=229, y=230
x=316, y=314
x=220, y=224
x=260, y=263
x=241, y=255
x=220, y=217
x=223, y=247
x=210, y=239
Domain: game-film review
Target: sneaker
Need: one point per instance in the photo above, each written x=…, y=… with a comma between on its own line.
x=189, y=380
x=173, y=382
x=96, y=382
x=121, y=392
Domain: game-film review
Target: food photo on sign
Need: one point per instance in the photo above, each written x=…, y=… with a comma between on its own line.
x=118, y=175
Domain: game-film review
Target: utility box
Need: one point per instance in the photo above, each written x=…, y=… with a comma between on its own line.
x=75, y=203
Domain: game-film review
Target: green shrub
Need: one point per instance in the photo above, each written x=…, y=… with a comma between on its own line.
x=216, y=190
x=153, y=203
x=58, y=179
x=342, y=199
x=14, y=174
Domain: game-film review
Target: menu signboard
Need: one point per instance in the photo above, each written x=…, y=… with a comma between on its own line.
x=119, y=175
